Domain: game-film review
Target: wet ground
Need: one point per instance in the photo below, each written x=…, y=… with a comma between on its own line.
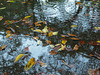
x=59, y=19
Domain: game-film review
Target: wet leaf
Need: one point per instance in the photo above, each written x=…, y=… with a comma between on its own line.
x=55, y=33
x=18, y=57
x=27, y=17
x=97, y=28
x=25, y=56
x=10, y=38
x=91, y=55
x=78, y=3
x=53, y=52
x=74, y=26
x=43, y=64
x=8, y=35
x=76, y=47
x=64, y=35
x=45, y=30
x=39, y=42
x=3, y=47
x=27, y=34
x=35, y=38
x=1, y=17
x=8, y=31
x=71, y=34
x=98, y=41
x=63, y=41
x=62, y=47
x=81, y=42
x=93, y=43
x=66, y=64
x=50, y=33
x=5, y=73
x=31, y=62
x=74, y=38
x=94, y=71
x=38, y=30
x=48, y=41
x=52, y=46
x=3, y=8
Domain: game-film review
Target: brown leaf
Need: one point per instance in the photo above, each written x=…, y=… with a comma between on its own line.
x=91, y=55
x=5, y=73
x=53, y=52
x=74, y=38
x=35, y=38
x=76, y=47
x=81, y=42
x=93, y=43
x=25, y=56
x=42, y=64
x=71, y=34
x=48, y=41
x=26, y=49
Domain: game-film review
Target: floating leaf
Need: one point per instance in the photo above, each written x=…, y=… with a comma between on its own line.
x=18, y=57
x=76, y=47
x=64, y=35
x=48, y=41
x=52, y=46
x=53, y=52
x=50, y=33
x=74, y=38
x=35, y=38
x=71, y=34
x=38, y=30
x=74, y=26
x=1, y=17
x=3, y=8
x=55, y=33
x=3, y=47
x=27, y=17
x=8, y=35
x=31, y=62
x=63, y=41
x=45, y=30
x=81, y=42
x=39, y=42
x=43, y=64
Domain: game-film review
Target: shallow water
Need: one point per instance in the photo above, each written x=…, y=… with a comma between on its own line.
x=80, y=60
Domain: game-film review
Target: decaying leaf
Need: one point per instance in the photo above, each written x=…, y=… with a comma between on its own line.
x=52, y=46
x=93, y=43
x=66, y=64
x=35, y=38
x=8, y=35
x=74, y=38
x=27, y=17
x=39, y=42
x=38, y=30
x=76, y=47
x=81, y=42
x=53, y=52
x=31, y=62
x=55, y=33
x=42, y=64
x=62, y=47
x=18, y=57
x=94, y=71
x=3, y=47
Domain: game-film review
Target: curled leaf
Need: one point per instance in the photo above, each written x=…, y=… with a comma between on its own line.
x=18, y=57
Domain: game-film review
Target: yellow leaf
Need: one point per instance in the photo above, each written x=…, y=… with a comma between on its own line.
x=39, y=42
x=27, y=17
x=98, y=41
x=55, y=33
x=50, y=34
x=8, y=35
x=3, y=47
x=32, y=28
x=8, y=31
x=74, y=26
x=1, y=17
x=71, y=34
x=97, y=28
x=45, y=30
x=74, y=38
x=48, y=41
x=31, y=62
x=18, y=57
x=43, y=64
x=52, y=46
x=38, y=30
x=64, y=41
x=62, y=47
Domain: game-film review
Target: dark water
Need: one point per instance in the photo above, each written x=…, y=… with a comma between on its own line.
x=60, y=22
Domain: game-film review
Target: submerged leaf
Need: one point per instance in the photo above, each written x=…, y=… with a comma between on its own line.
x=18, y=57
x=31, y=62
x=50, y=33
x=43, y=64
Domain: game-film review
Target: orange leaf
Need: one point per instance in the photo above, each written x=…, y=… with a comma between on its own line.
x=50, y=34
x=35, y=38
x=66, y=64
x=27, y=34
x=3, y=47
x=53, y=52
x=5, y=73
x=8, y=31
x=76, y=47
x=91, y=55
x=75, y=38
x=71, y=34
x=48, y=41
x=81, y=42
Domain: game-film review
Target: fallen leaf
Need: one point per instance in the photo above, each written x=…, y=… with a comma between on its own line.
x=27, y=17
x=71, y=34
x=18, y=57
x=93, y=43
x=74, y=38
x=62, y=47
x=1, y=17
x=98, y=57
x=48, y=41
x=45, y=30
x=42, y=64
x=55, y=33
x=52, y=46
x=74, y=26
x=3, y=8
x=31, y=62
x=50, y=33
x=27, y=34
x=8, y=35
x=66, y=64
x=39, y=42
x=53, y=52
x=98, y=41
x=5, y=73
x=38, y=30
x=91, y=55
x=10, y=38
x=3, y=47
x=35, y=38
x=76, y=47
x=26, y=49
x=64, y=35
x=63, y=41
x=25, y=56
x=97, y=28
x=81, y=42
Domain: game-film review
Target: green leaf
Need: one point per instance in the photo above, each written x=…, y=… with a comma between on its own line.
x=1, y=17
x=3, y=8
